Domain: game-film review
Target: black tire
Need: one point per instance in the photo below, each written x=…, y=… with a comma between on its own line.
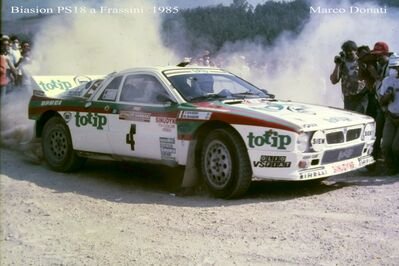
x=57, y=146
x=225, y=164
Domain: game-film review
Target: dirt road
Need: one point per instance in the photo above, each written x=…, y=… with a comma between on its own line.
x=115, y=214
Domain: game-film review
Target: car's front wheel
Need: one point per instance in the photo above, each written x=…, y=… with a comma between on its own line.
x=225, y=164
x=57, y=146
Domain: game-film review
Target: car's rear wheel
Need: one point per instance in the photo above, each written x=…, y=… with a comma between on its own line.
x=225, y=164
x=57, y=146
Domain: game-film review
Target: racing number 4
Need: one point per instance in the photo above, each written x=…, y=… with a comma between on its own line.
x=130, y=136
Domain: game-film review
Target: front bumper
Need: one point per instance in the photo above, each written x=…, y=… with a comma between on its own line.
x=334, y=168
x=300, y=166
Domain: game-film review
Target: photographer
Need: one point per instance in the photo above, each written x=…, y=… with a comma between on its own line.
x=347, y=70
x=389, y=93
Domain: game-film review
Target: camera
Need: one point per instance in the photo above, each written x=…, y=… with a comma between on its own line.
x=339, y=59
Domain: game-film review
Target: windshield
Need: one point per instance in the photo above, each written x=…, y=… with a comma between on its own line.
x=205, y=86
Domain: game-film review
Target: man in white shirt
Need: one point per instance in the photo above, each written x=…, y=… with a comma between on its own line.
x=15, y=57
x=389, y=93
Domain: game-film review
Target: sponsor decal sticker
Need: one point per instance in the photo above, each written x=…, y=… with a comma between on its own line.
x=93, y=119
x=109, y=94
x=195, y=115
x=55, y=85
x=272, y=161
x=166, y=123
x=52, y=85
x=306, y=157
x=81, y=79
x=51, y=102
x=345, y=154
x=168, y=149
x=273, y=107
x=365, y=161
x=313, y=174
x=300, y=109
x=270, y=138
x=343, y=167
x=337, y=119
x=309, y=125
x=135, y=116
x=67, y=116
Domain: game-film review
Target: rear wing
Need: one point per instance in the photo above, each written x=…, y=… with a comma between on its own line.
x=54, y=85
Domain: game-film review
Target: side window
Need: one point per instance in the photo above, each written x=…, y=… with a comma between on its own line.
x=93, y=87
x=111, y=91
x=142, y=89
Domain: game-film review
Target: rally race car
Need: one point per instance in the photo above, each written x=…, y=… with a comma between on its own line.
x=220, y=127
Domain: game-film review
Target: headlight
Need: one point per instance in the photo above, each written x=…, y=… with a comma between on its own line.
x=369, y=132
x=318, y=141
x=302, y=142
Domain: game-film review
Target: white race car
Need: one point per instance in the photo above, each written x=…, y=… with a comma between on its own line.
x=220, y=127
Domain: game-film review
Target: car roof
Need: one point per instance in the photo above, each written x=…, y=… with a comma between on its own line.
x=170, y=70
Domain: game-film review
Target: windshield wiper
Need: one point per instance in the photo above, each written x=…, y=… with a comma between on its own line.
x=244, y=94
x=256, y=95
x=209, y=96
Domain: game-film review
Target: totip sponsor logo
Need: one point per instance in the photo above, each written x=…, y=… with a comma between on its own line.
x=270, y=138
x=96, y=120
x=55, y=85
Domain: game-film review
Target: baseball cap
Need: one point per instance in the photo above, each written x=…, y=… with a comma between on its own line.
x=380, y=48
x=5, y=37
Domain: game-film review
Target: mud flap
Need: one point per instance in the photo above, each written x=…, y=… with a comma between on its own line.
x=32, y=150
x=191, y=174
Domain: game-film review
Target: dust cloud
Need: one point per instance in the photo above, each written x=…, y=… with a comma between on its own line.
x=298, y=67
x=101, y=43
x=85, y=44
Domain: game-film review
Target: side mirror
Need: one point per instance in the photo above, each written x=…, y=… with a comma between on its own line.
x=267, y=93
x=165, y=98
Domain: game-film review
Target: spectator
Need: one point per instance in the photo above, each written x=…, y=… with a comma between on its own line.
x=347, y=71
x=3, y=73
x=204, y=59
x=389, y=93
x=23, y=62
x=368, y=72
x=7, y=68
x=380, y=70
x=15, y=56
x=381, y=53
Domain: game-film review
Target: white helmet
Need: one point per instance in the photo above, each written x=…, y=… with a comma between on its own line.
x=394, y=60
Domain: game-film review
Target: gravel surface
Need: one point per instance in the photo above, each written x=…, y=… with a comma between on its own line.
x=117, y=214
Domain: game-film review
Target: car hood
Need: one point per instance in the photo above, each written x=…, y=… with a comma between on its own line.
x=300, y=116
